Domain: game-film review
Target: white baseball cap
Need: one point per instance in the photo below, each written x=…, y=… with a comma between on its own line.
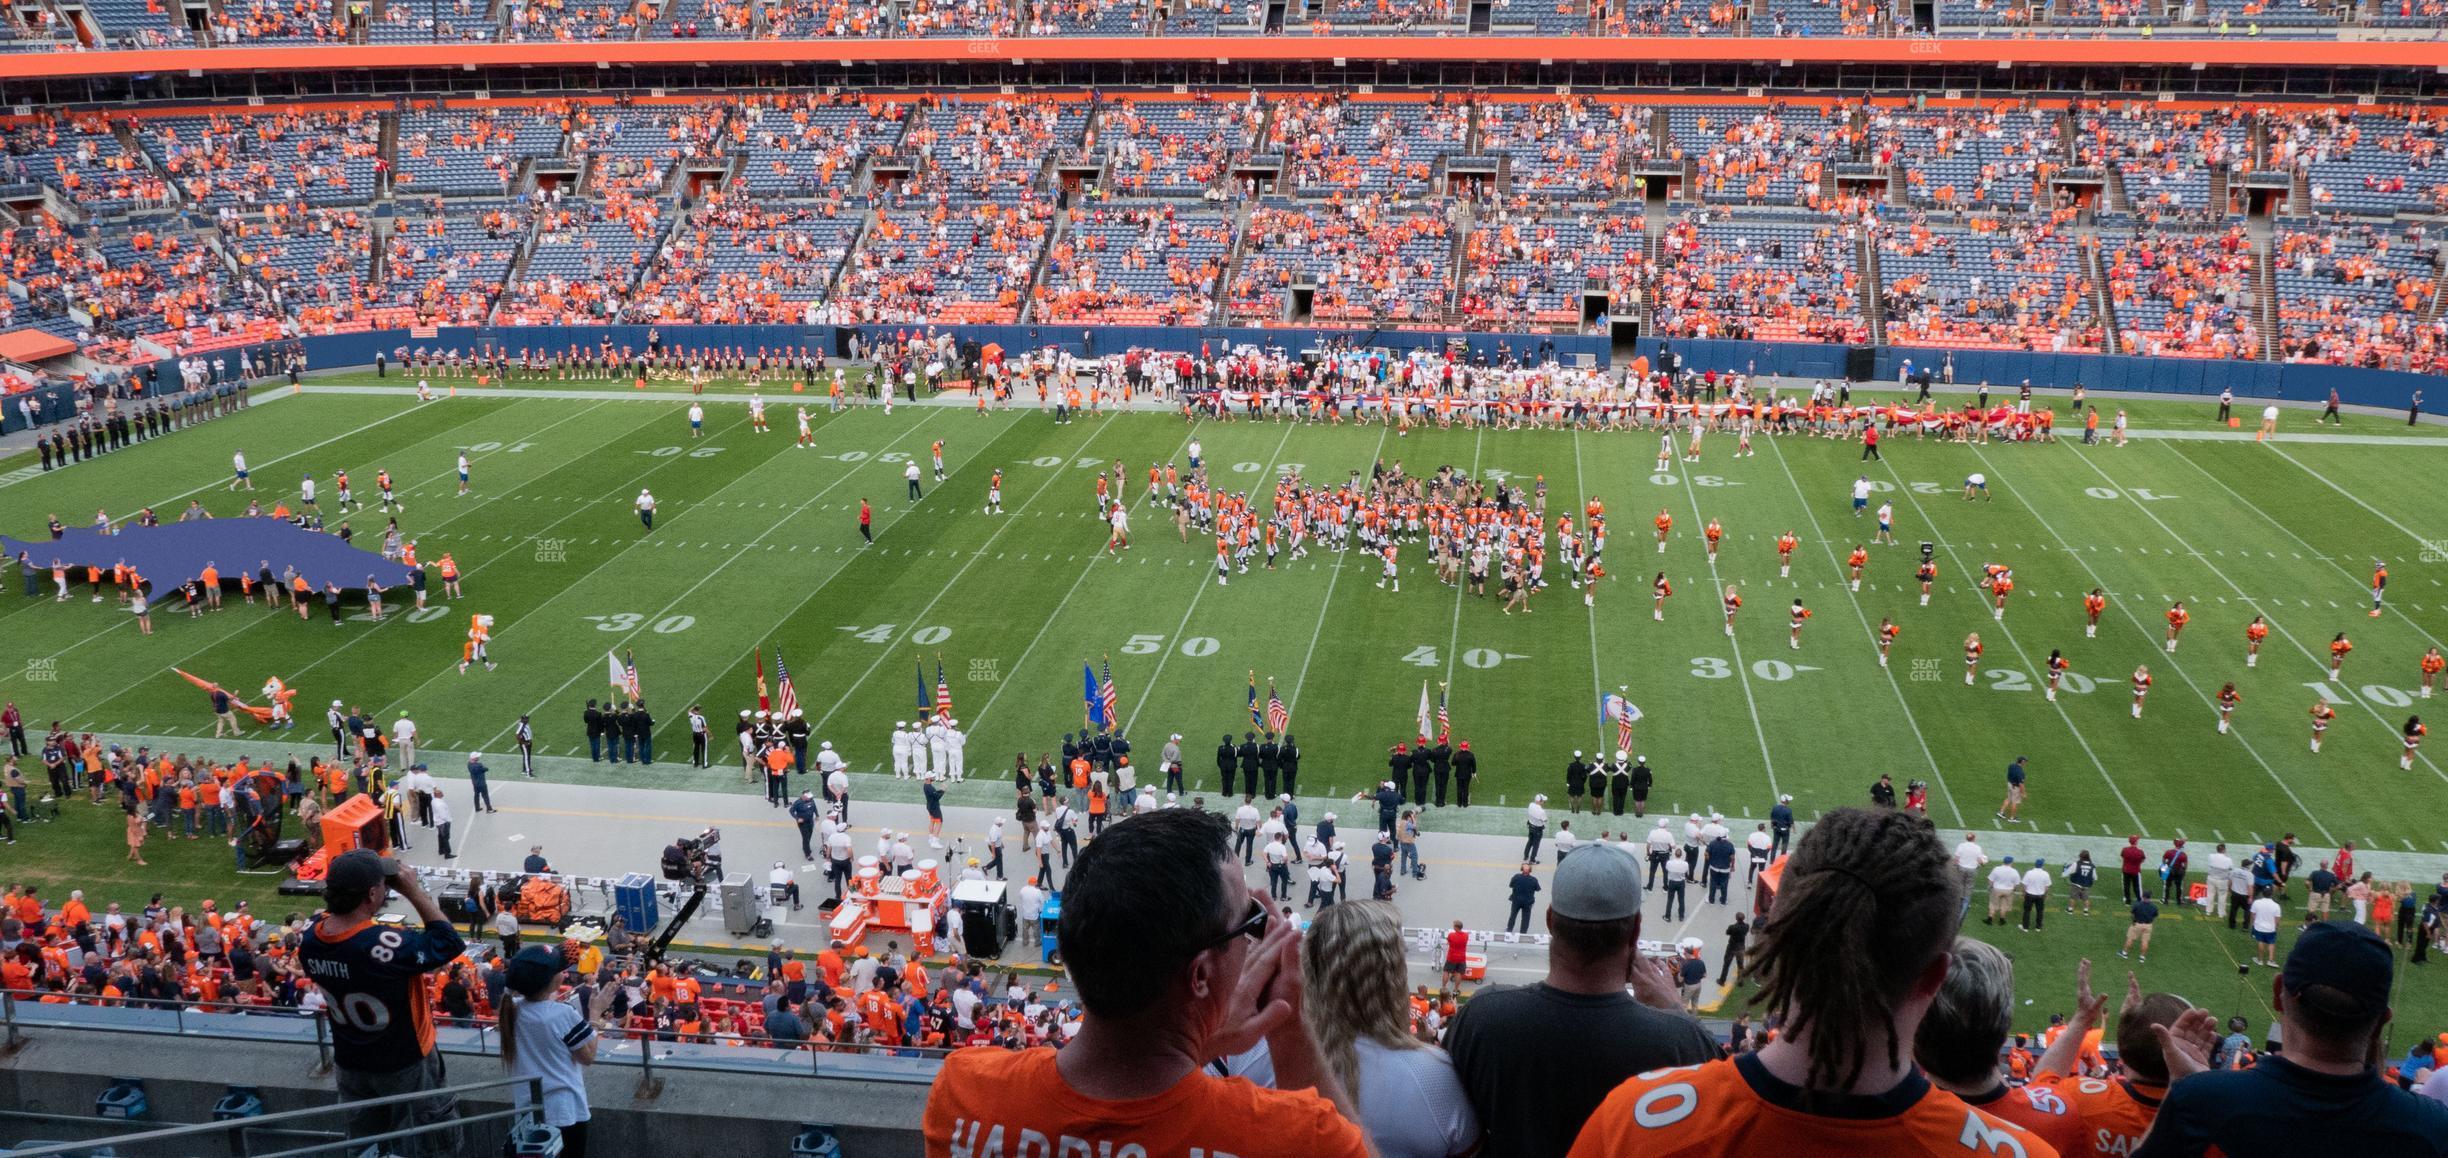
x=335, y=703
x=475, y=756
x=1541, y=798
x=1785, y=799
x=821, y=745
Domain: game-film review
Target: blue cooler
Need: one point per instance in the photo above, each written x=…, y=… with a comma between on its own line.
x=1049, y=926
x=633, y=900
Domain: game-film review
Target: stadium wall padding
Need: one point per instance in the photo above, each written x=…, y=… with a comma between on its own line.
x=2296, y=382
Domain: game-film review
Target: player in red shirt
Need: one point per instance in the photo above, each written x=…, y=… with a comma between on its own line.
x=2432, y=663
x=2177, y=617
x=1887, y=633
x=2141, y=687
x=2254, y=633
x=1972, y=657
x=2337, y=653
x=1785, y=548
x=2093, y=604
x=1855, y=562
x=1859, y=949
x=2228, y=696
x=2322, y=714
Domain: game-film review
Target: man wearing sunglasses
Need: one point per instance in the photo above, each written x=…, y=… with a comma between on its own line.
x=1176, y=961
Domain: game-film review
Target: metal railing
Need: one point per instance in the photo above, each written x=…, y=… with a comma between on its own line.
x=21, y=1010
x=239, y=1133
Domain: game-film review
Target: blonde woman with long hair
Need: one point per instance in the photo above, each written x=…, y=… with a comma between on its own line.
x=1352, y=970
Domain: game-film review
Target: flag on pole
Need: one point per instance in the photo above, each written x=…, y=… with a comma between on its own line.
x=1279, y=717
x=1423, y=708
x=923, y=703
x=943, y=693
x=635, y=694
x=1094, y=704
x=789, y=701
x=1112, y=699
x=620, y=675
x=762, y=703
x=1622, y=713
x=1256, y=720
x=1444, y=722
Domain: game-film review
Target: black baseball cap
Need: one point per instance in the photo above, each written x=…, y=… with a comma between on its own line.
x=355, y=873
x=2345, y=959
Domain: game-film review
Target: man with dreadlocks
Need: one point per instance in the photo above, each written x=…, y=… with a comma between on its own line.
x=1851, y=957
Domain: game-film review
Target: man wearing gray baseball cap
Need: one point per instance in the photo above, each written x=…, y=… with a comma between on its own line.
x=373, y=979
x=1508, y=1043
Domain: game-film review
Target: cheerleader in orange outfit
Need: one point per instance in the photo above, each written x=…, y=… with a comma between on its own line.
x=1662, y=589
x=1927, y=574
x=2337, y=653
x=2093, y=604
x=1972, y=657
x=450, y=575
x=2141, y=688
x=1999, y=588
x=2056, y=669
x=2432, y=663
x=2177, y=617
x=1793, y=637
x=2227, y=699
x=1785, y=548
x=2322, y=714
x=1712, y=533
x=2414, y=731
x=1733, y=603
x=1665, y=523
x=1887, y=632
x=1589, y=591
x=1855, y=562
x=2254, y=633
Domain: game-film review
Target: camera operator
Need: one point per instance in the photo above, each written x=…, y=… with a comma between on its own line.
x=381, y=1015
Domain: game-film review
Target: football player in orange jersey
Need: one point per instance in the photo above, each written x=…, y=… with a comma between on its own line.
x=1223, y=562
x=1972, y=657
x=2414, y=732
x=1712, y=533
x=2093, y=604
x=2227, y=698
x=1785, y=548
x=2322, y=714
x=1887, y=632
x=1853, y=993
x=2379, y=585
x=382, y=485
x=1665, y=523
x=2116, y=1112
x=1390, y=576
x=2177, y=617
x=1959, y=1043
x=2254, y=633
x=1662, y=588
x=2141, y=687
x=1733, y=603
x=994, y=493
x=1855, y=562
x=1793, y=631
x=2056, y=669
x=2432, y=663
x=2337, y=653
x=1927, y=574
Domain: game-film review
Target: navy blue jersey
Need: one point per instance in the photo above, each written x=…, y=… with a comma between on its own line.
x=382, y=1018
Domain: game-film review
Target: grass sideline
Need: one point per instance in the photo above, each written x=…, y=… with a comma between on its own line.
x=756, y=545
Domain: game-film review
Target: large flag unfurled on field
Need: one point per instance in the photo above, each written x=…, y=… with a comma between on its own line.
x=789, y=701
x=943, y=693
x=1423, y=708
x=1279, y=717
x=763, y=704
x=1622, y=713
x=1110, y=699
x=1092, y=703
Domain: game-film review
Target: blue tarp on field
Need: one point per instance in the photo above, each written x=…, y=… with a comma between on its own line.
x=173, y=553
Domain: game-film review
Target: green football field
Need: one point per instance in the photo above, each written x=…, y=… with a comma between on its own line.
x=756, y=547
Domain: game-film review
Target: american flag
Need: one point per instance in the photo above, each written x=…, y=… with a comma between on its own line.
x=943, y=692
x=790, y=695
x=1111, y=698
x=1279, y=717
x=1444, y=722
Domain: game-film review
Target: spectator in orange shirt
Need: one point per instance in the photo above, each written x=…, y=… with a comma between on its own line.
x=1958, y=1046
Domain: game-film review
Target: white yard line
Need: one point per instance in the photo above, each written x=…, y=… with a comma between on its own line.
x=1955, y=559
x=1581, y=495
x=1937, y=776
x=1453, y=641
x=676, y=601
x=1742, y=671
x=1149, y=687
x=1333, y=575
x=1054, y=475
x=2308, y=653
